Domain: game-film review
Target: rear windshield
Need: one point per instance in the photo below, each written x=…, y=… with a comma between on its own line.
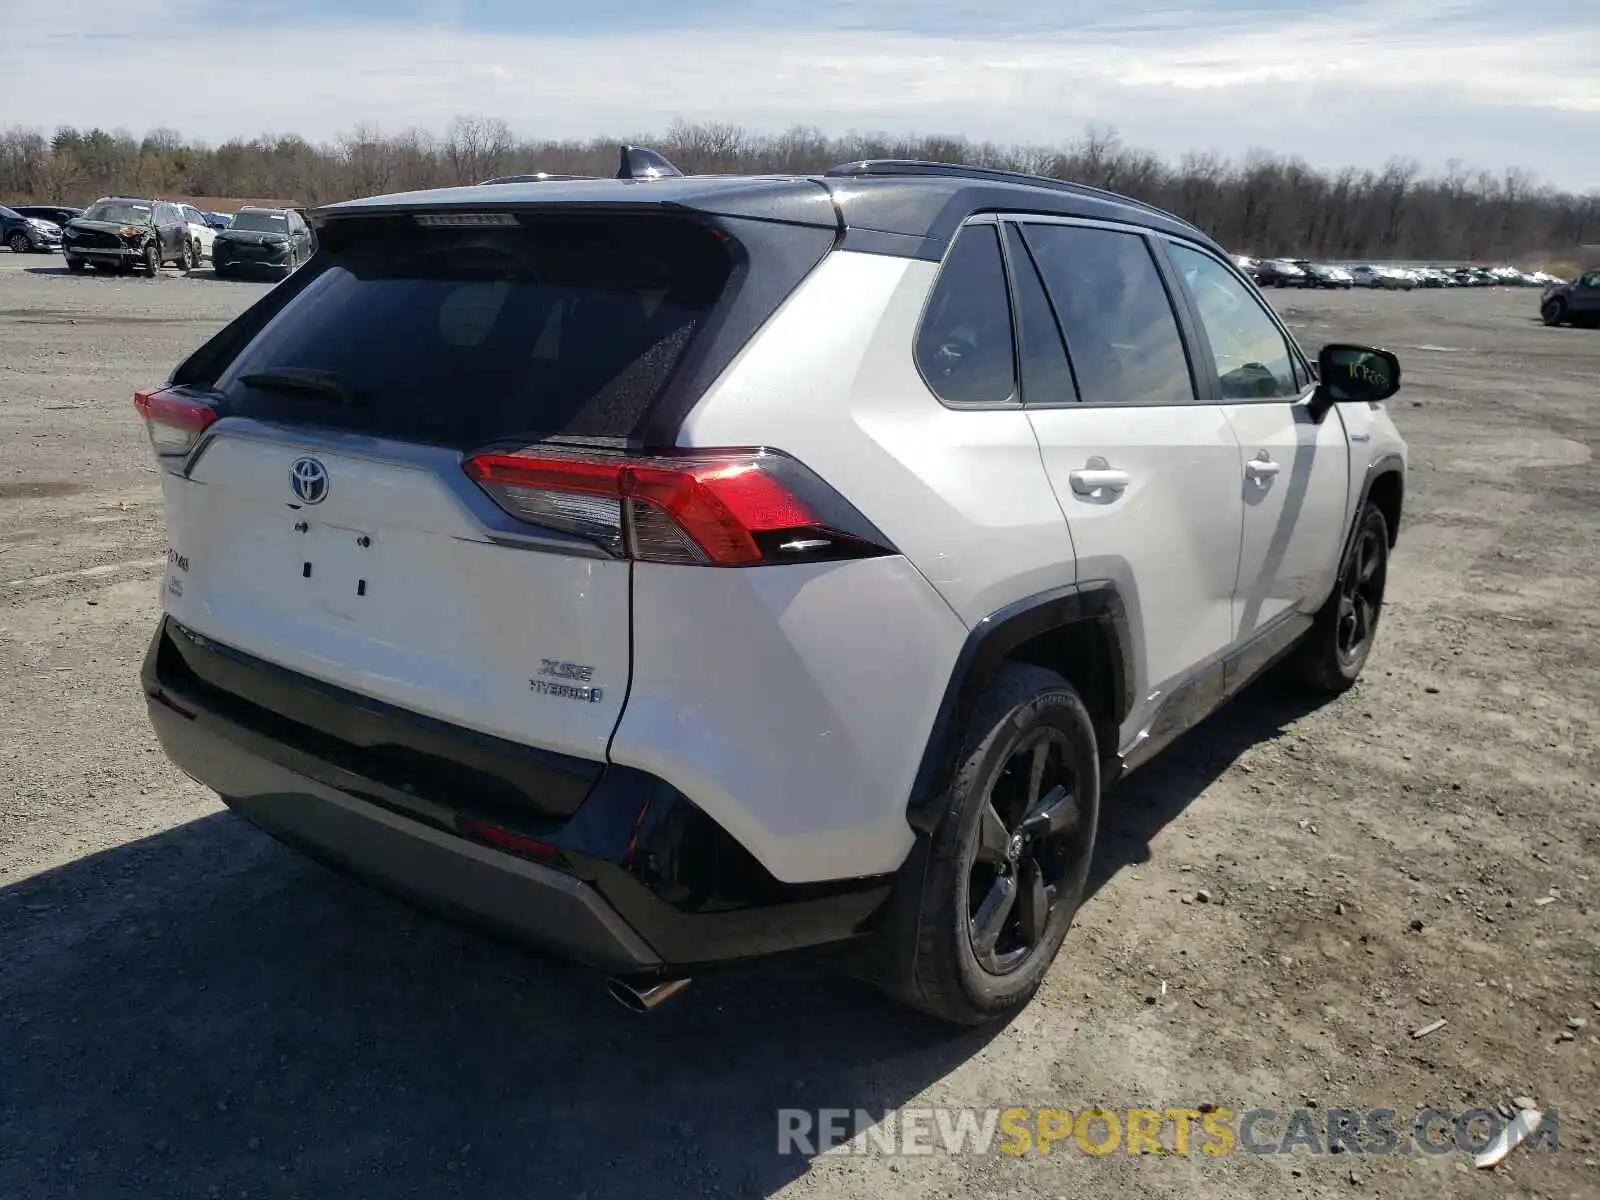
x=261, y=223
x=464, y=336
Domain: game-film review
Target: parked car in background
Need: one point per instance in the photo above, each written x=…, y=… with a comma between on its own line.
x=1321, y=275
x=1576, y=303
x=118, y=233
x=1366, y=275
x=201, y=234
x=26, y=235
x=1277, y=272
x=1430, y=277
x=218, y=220
x=56, y=214
x=262, y=240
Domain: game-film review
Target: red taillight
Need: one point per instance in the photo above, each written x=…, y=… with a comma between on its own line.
x=719, y=508
x=173, y=422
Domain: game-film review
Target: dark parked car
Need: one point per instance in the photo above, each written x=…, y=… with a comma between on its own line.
x=1277, y=272
x=218, y=220
x=56, y=214
x=1576, y=303
x=24, y=233
x=1321, y=275
x=262, y=239
x=118, y=234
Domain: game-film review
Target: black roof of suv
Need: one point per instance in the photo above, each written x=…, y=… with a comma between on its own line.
x=899, y=207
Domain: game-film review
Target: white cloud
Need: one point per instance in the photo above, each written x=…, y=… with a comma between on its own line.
x=1355, y=86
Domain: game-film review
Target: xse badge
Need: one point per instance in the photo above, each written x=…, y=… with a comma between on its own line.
x=552, y=676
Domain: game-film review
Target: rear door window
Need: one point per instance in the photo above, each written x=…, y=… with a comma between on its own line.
x=1122, y=334
x=559, y=326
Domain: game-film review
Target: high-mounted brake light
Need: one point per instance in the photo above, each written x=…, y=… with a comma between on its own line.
x=173, y=422
x=477, y=220
x=734, y=508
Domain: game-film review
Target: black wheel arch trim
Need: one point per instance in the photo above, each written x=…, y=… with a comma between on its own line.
x=1385, y=464
x=990, y=641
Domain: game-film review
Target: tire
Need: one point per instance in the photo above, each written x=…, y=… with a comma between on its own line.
x=18, y=242
x=1554, y=312
x=152, y=258
x=185, y=256
x=1330, y=657
x=75, y=264
x=1029, y=749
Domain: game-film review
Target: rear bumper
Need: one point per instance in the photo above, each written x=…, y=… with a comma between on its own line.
x=634, y=879
x=442, y=871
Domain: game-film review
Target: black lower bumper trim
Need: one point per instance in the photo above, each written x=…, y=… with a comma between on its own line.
x=635, y=879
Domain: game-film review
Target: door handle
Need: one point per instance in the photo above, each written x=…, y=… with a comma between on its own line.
x=1261, y=469
x=1090, y=480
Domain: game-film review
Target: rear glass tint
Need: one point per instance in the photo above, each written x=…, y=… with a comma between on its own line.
x=460, y=336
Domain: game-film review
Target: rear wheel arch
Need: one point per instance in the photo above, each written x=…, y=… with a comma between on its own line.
x=1081, y=632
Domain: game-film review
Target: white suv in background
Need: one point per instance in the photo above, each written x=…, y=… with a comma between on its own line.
x=201, y=236
x=681, y=570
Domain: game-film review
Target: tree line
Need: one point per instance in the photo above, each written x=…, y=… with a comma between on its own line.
x=1265, y=204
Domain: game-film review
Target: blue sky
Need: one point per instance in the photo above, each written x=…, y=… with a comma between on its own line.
x=1493, y=83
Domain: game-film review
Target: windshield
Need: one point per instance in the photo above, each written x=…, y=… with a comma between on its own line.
x=120, y=211
x=261, y=223
x=11, y=213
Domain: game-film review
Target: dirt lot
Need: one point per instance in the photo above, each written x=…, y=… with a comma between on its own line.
x=190, y=1010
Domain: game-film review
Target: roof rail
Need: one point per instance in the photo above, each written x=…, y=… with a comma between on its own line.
x=535, y=177
x=916, y=166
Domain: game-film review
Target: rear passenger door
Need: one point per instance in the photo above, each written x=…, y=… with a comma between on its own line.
x=1146, y=471
x=1296, y=471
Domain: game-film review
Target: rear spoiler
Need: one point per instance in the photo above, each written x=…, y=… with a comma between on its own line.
x=636, y=162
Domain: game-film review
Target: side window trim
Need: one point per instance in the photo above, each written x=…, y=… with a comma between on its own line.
x=1196, y=353
x=1011, y=233
x=1305, y=377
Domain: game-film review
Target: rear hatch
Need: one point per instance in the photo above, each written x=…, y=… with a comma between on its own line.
x=324, y=521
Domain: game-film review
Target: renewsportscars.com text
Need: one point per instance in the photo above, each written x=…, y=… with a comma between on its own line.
x=1206, y=1129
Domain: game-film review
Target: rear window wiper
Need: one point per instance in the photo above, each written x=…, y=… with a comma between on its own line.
x=305, y=382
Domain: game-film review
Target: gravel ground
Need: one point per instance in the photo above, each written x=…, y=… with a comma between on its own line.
x=190, y=1010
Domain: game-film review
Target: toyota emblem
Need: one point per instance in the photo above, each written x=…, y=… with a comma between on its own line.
x=308, y=479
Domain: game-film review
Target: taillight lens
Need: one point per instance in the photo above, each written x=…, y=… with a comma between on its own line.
x=735, y=508
x=173, y=422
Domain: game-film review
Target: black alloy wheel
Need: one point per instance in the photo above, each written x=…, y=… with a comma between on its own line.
x=1028, y=843
x=1361, y=594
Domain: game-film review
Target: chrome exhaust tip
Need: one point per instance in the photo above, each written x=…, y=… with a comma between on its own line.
x=644, y=997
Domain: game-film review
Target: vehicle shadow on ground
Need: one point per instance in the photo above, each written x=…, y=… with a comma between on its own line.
x=203, y=1013
x=199, y=275
x=1135, y=811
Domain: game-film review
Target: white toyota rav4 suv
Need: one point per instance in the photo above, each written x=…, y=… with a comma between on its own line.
x=675, y=570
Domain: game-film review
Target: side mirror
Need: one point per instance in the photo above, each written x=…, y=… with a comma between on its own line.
x=1353, y=374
